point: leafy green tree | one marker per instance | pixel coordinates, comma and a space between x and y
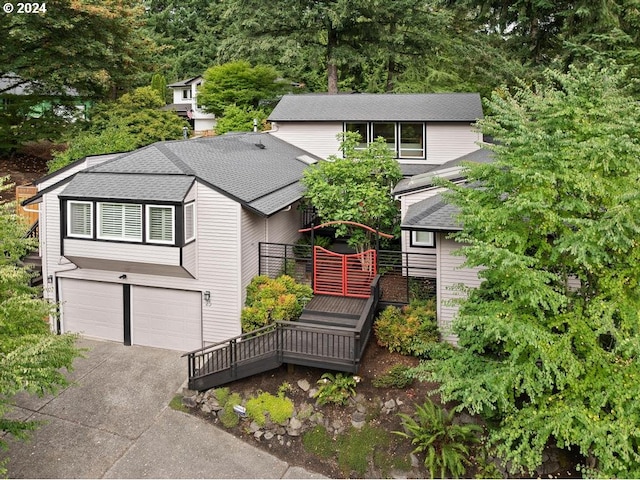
31, 356
240, 84
92, 47
550, 340
237, 119
132, 121
356, 188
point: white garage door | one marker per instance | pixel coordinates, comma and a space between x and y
94, 309
166, 318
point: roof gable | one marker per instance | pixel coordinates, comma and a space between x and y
434, 107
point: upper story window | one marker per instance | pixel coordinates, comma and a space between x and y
405, 139
189, 222
186, 93
80, 219
130, 222
120, 221
160, 228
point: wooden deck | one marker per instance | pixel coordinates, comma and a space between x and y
331, 333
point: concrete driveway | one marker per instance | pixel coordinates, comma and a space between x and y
114, 422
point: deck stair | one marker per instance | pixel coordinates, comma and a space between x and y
331, 333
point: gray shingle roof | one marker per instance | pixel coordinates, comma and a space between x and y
117, 186
425, 180
435, 107
183, 83
258, 170
432, 213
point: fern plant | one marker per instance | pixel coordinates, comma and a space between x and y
335, 388
444, 444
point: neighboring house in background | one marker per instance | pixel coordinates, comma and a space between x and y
156, 246
185, 104
423, 130
427, 221
67, 104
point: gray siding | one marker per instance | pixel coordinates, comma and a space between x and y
319, 138
253, 232
190, 258
447, 141
283, 226
451, 276
121, 251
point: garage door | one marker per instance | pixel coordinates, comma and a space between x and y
94, 309
166, 318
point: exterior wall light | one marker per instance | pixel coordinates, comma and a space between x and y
207, 297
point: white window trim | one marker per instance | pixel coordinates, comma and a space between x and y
416, 243
78, 235
121, 238
148, 225
191, 206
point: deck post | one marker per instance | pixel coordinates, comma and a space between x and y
232, 358
313, 259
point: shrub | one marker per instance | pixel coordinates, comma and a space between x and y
278, 408
444, 443
270, 300
410, 330
302, 247
228, 417
335, 388
396, 377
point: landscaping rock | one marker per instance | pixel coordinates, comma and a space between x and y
312, 392
189, 402
389, 406
358, 420
268, 435
304, 384
205, 408
253, 427
295, 428
258, 435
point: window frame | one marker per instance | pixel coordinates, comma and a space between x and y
186, 94
123, 237
422, 150
148, 225
70, 234
189, 238
422, 244
396, 147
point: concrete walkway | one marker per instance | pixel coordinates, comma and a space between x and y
114, 422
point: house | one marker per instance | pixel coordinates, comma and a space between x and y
185, 104
423, 130
156, 246
427, 222
18, 94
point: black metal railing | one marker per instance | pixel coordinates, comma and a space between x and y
34, 230
275, 259
406, 276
